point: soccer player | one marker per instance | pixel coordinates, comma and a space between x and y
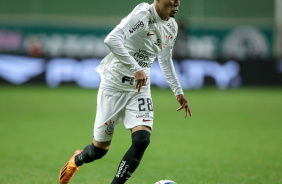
124, 94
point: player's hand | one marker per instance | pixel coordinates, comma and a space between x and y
141, 79
184, 104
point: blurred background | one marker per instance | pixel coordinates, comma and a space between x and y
220, 43
228, 58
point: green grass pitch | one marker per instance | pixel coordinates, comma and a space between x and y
233, 137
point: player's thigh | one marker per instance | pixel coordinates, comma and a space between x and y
109, 113
139, 111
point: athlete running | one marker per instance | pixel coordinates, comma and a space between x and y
149, 31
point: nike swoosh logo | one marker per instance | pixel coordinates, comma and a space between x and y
145, 120
148, 34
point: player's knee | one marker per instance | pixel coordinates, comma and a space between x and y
141, 139
92, 153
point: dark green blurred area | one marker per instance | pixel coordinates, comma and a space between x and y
200, 8
108, 13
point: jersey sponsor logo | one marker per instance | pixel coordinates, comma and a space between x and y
131, 80
145, 117
136, 26
150, 34
142, 53
152, 21
158, 42
110, 127
144, 64
171, 27
142, 58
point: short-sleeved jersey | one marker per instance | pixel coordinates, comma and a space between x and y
146, 36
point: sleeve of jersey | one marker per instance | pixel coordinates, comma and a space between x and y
129, 26
115, 42
166, 64
135, 22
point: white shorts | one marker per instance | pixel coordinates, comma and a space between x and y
114, 107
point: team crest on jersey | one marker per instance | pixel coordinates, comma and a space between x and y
167, 39
110, 127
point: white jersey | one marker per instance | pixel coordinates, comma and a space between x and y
135, 43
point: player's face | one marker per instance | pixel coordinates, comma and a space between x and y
167, 8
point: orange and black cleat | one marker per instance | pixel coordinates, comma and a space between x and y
69, 169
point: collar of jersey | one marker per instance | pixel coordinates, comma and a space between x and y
157, 15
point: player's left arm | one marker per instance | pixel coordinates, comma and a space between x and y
166, 64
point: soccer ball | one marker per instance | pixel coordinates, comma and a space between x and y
165, 182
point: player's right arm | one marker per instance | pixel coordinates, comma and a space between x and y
128, 27
115, 42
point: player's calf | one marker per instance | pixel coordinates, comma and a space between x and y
89, 154
132, 158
